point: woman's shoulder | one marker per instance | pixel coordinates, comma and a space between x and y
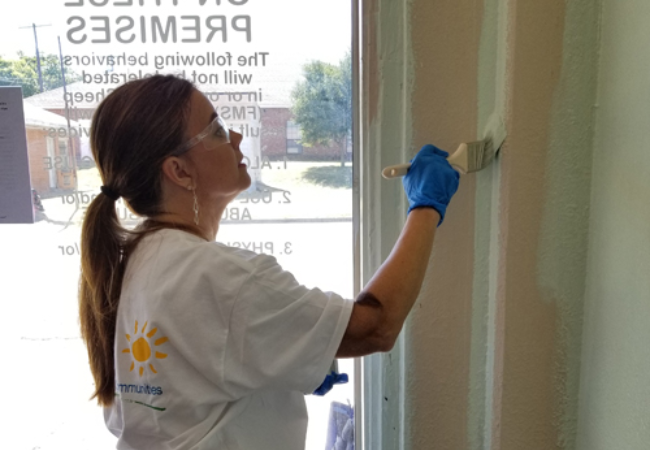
249, 256
189, 247
170, 260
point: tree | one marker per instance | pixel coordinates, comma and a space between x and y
23, 72
322, 104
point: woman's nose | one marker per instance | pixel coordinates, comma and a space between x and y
235, 138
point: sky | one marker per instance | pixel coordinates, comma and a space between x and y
290, 30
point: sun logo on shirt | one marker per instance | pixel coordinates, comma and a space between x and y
140, 348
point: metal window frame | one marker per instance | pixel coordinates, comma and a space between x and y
356, 208
382, 77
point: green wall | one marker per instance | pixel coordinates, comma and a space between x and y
615, 372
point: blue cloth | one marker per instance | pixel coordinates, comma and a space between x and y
431, 181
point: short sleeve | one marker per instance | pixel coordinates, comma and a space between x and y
282, 335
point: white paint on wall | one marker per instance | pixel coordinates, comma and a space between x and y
491, 100
615, 372
562, 255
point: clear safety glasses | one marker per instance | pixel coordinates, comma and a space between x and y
214, 135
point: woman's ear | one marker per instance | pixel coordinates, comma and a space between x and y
177, 171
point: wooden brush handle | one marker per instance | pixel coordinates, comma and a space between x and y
458, 160
398, 170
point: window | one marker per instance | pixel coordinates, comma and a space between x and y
248, 69
294, 134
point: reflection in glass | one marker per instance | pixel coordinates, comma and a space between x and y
290, 98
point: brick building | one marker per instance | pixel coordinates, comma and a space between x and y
277, 136
281, 139
51, 152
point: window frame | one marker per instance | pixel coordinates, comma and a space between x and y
381, 93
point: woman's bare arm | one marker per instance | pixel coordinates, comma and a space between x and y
382, 307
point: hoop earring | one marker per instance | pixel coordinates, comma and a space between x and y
196, 205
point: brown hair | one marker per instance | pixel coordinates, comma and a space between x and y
133, 131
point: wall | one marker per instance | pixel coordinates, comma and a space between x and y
445, 42
544, 219
37, 150
614, 388
491, 352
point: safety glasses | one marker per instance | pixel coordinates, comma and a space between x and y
214, 135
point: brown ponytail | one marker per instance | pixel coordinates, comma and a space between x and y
133, 130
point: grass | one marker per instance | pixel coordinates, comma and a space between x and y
336, 177
316, 174
298, 190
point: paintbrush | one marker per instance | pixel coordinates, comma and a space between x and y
469, 157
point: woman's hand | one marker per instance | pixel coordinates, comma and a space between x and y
431, 181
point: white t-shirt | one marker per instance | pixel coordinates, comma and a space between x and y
215, 348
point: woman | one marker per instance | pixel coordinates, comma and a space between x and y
196, 345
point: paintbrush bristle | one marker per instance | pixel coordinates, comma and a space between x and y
476, 156
481, 153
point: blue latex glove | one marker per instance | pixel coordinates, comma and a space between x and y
430, 181
330, 380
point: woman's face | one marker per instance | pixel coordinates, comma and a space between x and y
219, 171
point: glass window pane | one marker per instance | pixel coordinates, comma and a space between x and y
67, 56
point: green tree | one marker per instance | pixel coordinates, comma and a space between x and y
23, 72
322, 104
7, 75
